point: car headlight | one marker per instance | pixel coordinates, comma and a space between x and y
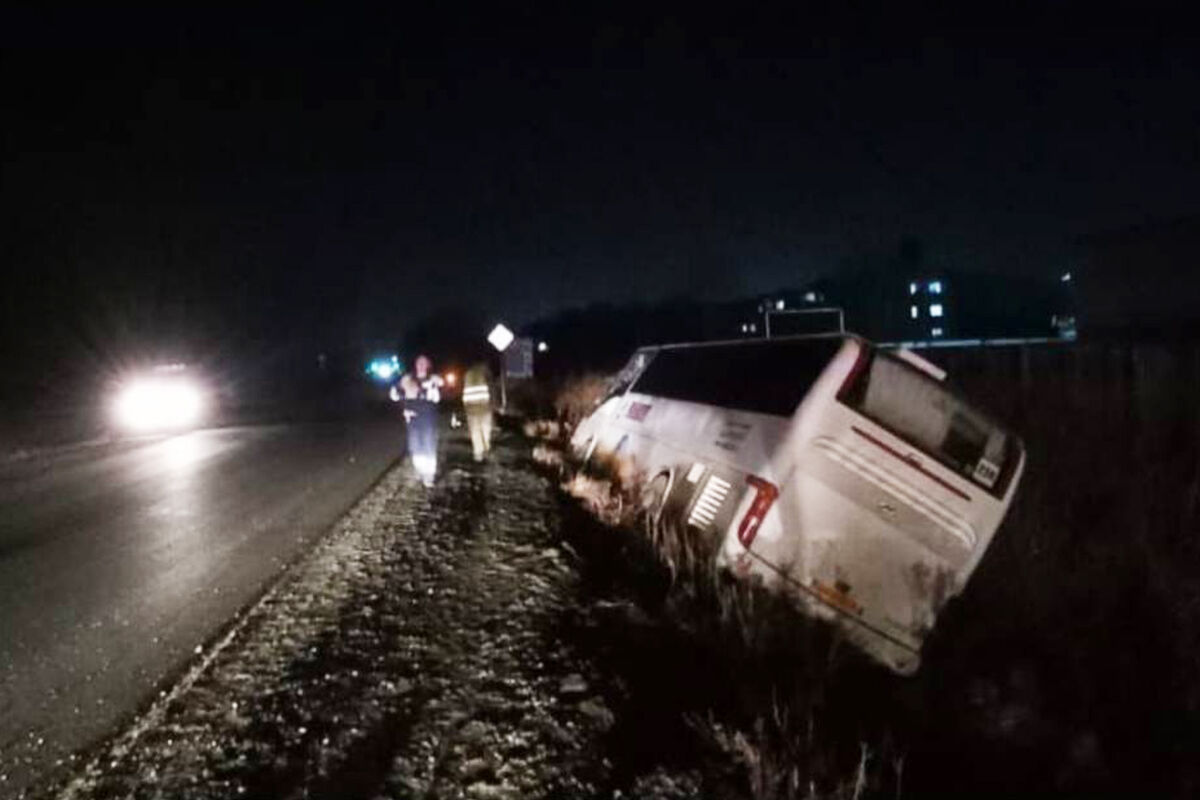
153, 404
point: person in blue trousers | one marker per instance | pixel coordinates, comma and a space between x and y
421, 391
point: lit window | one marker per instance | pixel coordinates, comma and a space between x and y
936, 332
935, 310
912, 288
779, 305
753, 328
935, 287
810, 297
914, 312
1066, 278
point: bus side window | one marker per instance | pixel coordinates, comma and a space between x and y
765, 378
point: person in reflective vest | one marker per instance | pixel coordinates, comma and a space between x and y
477, 402
421, 391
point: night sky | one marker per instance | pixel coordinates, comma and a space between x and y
282, 172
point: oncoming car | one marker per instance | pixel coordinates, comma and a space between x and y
849, 476
166, 398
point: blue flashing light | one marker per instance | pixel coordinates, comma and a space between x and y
384, 369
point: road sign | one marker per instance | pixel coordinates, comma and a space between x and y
518, 359
500, 337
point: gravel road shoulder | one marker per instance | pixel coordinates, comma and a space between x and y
413, 653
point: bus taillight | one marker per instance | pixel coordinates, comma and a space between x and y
765, 493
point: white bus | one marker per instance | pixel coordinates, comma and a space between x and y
850, 476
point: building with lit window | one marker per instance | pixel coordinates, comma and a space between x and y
891, 305
928, 301
887, 305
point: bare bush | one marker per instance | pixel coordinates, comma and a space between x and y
547, 429
548, 456
579, 396
608, 489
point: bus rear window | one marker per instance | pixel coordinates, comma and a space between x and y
925, 414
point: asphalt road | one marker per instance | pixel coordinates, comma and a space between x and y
118, 561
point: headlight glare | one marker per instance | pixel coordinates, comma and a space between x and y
151, 404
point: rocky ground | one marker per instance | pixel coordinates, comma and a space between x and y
434, 645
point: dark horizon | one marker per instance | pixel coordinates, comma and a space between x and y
335, 179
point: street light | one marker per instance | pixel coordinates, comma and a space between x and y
543, 347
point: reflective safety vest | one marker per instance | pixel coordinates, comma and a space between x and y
475, 388
473, 395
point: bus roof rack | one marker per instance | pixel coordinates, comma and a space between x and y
749, 341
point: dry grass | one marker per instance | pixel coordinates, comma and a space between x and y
608, 488
549, 457
547, 429
579, 396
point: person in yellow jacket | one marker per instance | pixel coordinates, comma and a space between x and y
477, 402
